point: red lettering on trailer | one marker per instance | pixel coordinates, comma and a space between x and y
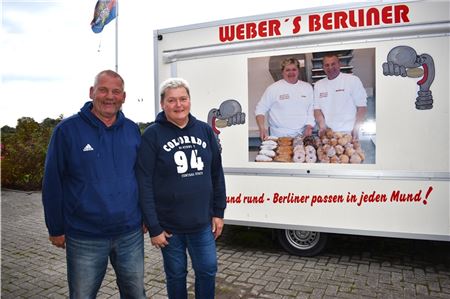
297, 25
337, 20
341, 20
250, 30
393, 14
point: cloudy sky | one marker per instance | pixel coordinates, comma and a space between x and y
49, 55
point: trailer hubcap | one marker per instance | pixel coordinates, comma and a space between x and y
302, 239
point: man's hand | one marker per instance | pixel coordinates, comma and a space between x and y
161, 241
58, 241
263, 134
355, 134
217, 227
260, 121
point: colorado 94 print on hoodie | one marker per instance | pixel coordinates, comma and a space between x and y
180, 176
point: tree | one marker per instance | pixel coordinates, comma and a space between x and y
7, 130
143, 126
23, 153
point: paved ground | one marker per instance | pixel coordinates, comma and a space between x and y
251, 265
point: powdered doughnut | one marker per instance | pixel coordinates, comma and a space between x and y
268, 147
311, 158
299, 148
267, 142
263, 158
268, 153
310, 150
297, 141
299, 157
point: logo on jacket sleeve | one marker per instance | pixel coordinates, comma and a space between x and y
88, 148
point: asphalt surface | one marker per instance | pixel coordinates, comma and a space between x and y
251, 264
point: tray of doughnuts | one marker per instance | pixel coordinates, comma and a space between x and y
329, 147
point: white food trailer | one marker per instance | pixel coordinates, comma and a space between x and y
399, 50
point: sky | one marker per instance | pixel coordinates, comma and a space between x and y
49, 55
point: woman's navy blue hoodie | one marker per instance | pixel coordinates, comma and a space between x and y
180, 176
90, 187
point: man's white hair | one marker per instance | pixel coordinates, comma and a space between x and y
173, 83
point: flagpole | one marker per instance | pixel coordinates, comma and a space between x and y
117, 37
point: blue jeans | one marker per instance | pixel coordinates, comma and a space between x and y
87, 261
202, 250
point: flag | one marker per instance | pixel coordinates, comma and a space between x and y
105, 11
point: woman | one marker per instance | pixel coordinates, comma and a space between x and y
182, 191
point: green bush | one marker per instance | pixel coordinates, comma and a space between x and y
23, 153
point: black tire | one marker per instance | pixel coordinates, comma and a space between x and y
302, 242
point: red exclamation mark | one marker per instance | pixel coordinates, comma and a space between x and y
426, 195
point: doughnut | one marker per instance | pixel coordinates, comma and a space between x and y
355, 159
310, 150
334, 159
331, 152
311, 158
349, 151
324, 159
326, 147
329, 133
361, 154
342, 141
344, 158
271, 142
339, 149
268, 147
299, 157
297, 141
299, 148
348, 137
268, 153
338, 135
285, 143
283, 158
263, 158
285, 139
285, 149
317, 142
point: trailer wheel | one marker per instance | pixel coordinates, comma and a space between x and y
302, 242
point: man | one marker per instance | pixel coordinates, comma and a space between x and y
182, 191
90, 193
340, 100
288, 104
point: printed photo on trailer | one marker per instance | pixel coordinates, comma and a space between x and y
289, 108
